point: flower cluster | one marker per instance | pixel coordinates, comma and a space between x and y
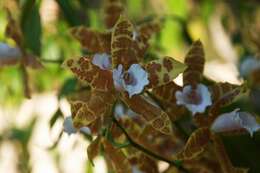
137, 102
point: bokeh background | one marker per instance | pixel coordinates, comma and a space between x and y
31, 130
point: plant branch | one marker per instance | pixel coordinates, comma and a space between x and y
148, 152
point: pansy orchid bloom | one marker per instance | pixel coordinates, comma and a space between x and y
127, 77
194, 96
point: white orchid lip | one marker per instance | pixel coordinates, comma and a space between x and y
235, 120
133, 80
103, 61
195, 100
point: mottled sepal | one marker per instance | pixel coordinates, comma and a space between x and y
87, 72
112, 11
163, 71
98, 106
93, 149
93, 41
119, 161
195, 61
158, 119
122, 50
222, 156
195, 145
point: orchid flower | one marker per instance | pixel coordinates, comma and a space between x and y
235, 120
127, 75
133, 80
195, 100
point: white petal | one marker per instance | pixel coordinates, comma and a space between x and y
118, 77
119, 110
103, 61
235, 120
68, 126
85, 130
141, 80
135, 169
135, 35
183, 99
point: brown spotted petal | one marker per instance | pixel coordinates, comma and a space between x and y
223, 94
163, 71
147, 29
93, 149
141, 163
86, 71
92, 40
119, 161
167, 92
218, 90
122, 50
166, 95
195, 61
222, 156
151, 113
195, 145
98, 106
142, 35
112, 10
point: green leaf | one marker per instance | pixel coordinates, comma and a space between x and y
31, 26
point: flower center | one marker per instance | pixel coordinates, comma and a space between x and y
129, 79
194, 98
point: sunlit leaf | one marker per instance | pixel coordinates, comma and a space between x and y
195, 61
163, 71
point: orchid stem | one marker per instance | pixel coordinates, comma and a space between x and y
148, 152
